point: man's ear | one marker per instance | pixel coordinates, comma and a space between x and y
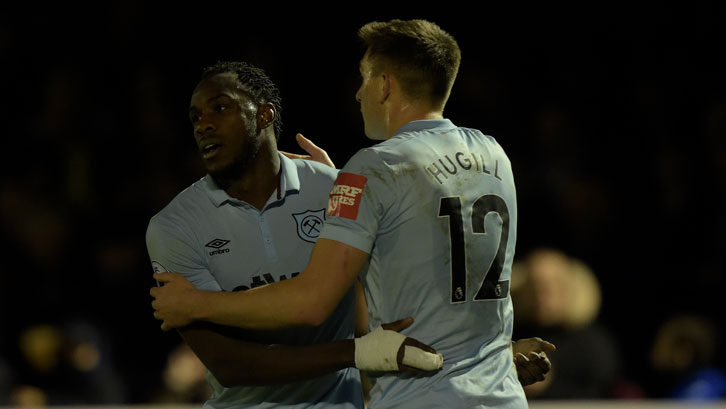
265, 116
386, 87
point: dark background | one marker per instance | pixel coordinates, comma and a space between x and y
614, 119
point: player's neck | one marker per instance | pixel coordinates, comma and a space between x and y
404, 113
259, 181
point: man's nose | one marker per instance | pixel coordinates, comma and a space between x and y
202, 127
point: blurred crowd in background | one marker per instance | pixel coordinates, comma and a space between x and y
614, 120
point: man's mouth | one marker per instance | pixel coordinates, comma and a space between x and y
209, 150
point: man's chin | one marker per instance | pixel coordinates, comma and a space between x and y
226, 175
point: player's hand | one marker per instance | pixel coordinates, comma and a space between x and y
384, 349
172, 300
530, 359
315, 153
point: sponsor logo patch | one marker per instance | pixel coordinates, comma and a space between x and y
346, 195
217, 244
309, 224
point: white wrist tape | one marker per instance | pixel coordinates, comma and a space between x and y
377, 351
418, 358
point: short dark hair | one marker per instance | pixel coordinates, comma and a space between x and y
424, 58
255, 83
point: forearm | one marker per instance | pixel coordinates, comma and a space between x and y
306, 300
236, 362
289, 364
281, 305
361, 311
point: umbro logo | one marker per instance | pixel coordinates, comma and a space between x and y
217, 244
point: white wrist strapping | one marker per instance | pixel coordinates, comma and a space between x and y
377, 351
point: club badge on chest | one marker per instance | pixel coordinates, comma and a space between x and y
309, 224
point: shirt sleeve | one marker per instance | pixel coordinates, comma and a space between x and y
359, 201
172, 250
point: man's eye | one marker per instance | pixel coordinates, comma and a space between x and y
220, 107
194, 118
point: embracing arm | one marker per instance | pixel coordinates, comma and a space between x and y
235, 362
306, 300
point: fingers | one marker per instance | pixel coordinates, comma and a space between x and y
533, 344
399, 325
415, 343
156, 291
527, 372
306, 144
294, 155
415, 356
548, 347
316, 153
525, 378
164, 326
540, 360
539, 344
532, 367
163, 277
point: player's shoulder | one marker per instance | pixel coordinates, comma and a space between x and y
475, 137
180, 207
476, 133
309, 170
373, 157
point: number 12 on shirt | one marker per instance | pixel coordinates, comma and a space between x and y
490, 288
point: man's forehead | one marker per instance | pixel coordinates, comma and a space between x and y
364, 60
218, 84
226, 80
367, 62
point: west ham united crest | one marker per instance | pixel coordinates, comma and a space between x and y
310, 224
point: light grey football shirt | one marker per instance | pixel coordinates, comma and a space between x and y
435, 207
223, 244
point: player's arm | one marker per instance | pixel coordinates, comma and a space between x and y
233, 356
235, 362
361, 328
361, 310
306, 300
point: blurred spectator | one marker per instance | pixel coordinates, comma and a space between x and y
558, 298
26, 396
68, 364
184, 378
683, 357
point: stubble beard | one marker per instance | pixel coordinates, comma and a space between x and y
225, 176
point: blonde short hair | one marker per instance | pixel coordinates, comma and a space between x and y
423, 57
